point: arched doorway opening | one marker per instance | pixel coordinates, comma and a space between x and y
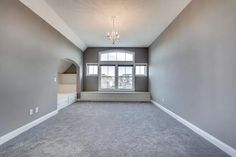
68, 77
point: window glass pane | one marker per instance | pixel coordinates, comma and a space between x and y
117, 56
112, 56
141, 70
136, 70
104, 57
125, 77
111, 70
104, 70
92, 69
107, 77
129, 57
120, 56
95, 69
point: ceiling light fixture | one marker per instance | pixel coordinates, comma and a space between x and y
113, 35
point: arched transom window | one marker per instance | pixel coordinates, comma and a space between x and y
116, 70
122, 56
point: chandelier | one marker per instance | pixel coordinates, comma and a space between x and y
113, 35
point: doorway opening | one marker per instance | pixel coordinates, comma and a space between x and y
68, 83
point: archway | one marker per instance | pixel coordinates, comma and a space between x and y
69, 86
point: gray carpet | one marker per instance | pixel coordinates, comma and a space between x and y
110, 130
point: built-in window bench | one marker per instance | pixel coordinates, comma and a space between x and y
115, 96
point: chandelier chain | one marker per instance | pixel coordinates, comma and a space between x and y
113, 35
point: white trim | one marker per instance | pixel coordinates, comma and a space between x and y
42, 9
145, 70
60, 107
116, 89
116, 63
223, 146
116, 51
26, 127
65, 99
91, 64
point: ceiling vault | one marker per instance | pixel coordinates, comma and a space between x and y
86, 22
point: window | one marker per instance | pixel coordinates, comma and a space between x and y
129, 57
121, 56
125, 77
141, 70
117, 56
117, 70
107, 77
92, 69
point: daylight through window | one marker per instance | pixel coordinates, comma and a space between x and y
117, 56
92, 69
141, 70
116, 70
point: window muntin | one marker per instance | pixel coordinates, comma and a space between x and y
92, 69
117, 56
129, 57
107, 77
141, 70
125, 77
104, 57
112, 56
120, 56
123, 70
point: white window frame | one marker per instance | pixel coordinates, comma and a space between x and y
146, 71
116, 64
99, 78
112, 61
87, 65
133, 77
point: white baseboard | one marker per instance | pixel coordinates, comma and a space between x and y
26, 127
226, 148
59, 107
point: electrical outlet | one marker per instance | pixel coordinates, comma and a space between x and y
36, 109
55, 79
31, 112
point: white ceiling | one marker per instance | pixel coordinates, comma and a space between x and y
139, 22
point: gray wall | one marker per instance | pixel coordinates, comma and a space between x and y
30, 51
91, 55
192, 66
